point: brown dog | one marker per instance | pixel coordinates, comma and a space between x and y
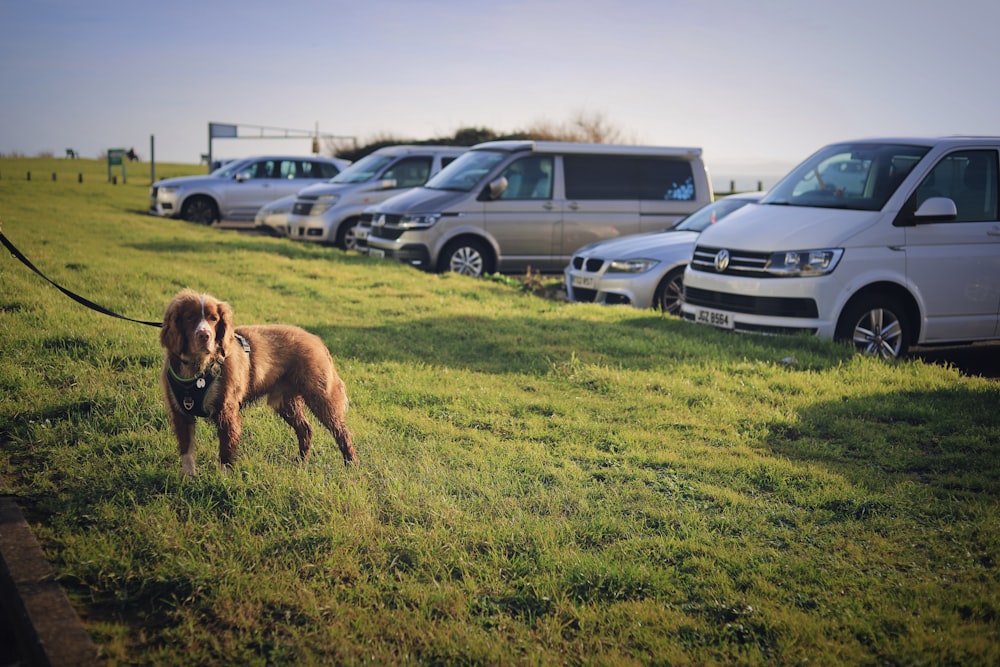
212, 370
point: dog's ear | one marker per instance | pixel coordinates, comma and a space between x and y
171, 334
224, 327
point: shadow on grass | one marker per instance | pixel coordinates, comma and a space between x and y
944, 439
517, 344
255, 244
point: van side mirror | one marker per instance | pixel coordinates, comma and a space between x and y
936, 209
387, 184
495, 189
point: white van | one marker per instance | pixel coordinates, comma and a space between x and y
885, 243
327, 212
505, 206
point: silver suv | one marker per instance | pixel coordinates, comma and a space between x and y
238, 189
328, 212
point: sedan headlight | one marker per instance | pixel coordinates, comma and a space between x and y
418, 221
803, 263
631, 265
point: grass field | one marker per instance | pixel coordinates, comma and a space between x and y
539, 482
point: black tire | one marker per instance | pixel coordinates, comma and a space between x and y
200, 209
468, 257
346, 240
876, 324
669, 294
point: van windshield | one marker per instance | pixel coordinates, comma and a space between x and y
465, 172
363, 170
859, 177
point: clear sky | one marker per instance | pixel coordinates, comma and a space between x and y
757, 84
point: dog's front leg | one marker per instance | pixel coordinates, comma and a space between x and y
230, 427
183, 426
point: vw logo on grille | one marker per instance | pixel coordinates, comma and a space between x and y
721, 260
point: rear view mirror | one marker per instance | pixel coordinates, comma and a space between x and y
496, 188
936, 208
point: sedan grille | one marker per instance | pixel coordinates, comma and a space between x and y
589, 264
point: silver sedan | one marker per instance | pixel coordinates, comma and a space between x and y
645, 270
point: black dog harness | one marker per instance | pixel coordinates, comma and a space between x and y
191, 394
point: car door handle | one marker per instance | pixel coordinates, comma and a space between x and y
547, 206
573, 206
994, 232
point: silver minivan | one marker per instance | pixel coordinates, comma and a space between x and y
505, 206
880, 243
328, 212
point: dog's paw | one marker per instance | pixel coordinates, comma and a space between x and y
187, 465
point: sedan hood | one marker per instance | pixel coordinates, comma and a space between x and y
633, 246
771, 227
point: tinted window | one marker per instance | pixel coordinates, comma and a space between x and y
410, 172
529, 178
628, 177
969, 178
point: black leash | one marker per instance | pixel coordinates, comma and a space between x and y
76, 297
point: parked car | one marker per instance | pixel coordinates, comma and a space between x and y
510, 205
272, 217
903, 248
238, 189
362, 228
645, 270
328, 212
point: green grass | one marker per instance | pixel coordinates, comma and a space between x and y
539, 482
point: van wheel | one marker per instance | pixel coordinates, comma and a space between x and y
669, 293
468, 257
346, 238
877, 325
201, 210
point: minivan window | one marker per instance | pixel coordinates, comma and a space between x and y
968, 178
363, 170
628, 177
465, 172
850, 176
410, 172
529, 178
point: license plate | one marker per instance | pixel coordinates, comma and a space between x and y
376, 252
584, 282
714, 317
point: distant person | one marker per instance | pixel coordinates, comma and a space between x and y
132, 155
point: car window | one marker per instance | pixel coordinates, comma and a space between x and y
852, 176
969, 178
363, 170
410, 172
529, 178
628, 177
262, 169
466, 171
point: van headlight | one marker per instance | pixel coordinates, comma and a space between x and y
167, 190
802, 263
418, 221
631, 265
323, 204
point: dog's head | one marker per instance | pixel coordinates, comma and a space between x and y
196, 325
